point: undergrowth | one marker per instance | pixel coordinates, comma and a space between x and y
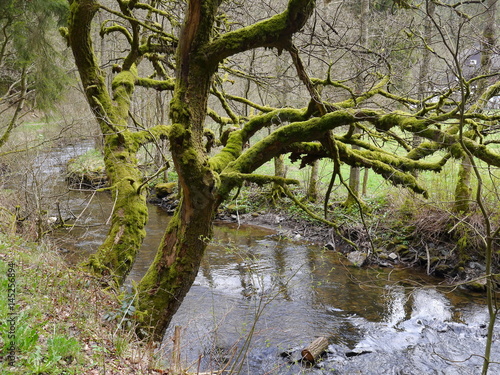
53, 318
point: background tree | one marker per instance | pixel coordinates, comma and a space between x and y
363, 8
33, 80
28, 60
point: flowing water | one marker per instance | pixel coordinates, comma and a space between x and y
258, 297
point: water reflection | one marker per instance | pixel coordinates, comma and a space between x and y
307, 293
299, 292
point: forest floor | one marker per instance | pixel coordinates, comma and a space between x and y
60, 320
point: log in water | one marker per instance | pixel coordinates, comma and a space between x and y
315, 349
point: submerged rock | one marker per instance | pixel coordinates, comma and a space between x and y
357, 258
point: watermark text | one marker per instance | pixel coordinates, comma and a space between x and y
11, 315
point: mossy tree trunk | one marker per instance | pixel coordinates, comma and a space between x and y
176, 264
463, 190
116, 255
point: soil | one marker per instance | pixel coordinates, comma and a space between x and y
285, 226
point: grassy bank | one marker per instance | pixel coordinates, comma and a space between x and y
58, 320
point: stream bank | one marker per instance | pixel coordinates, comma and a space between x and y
269, 289
432, 240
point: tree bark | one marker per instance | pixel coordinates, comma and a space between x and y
312, 189
279, 171
463, 189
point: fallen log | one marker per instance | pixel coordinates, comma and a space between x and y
315, 349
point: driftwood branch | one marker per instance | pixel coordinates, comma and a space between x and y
315, 349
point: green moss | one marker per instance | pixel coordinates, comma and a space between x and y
463, 250
165, 189
116, 255
160, 85
463, 190
274, 31
123, 87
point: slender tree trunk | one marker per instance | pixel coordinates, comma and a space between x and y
423, 73
463, 189
354, 179
312, 189
279, 171
355, 172
366, 176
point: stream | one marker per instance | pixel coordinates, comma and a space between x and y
259, 299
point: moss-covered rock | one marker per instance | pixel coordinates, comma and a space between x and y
477, 286
165, 189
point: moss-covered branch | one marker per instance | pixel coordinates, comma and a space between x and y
219, 95
157, 84
152, 27
481, 102
446, 139
167, 15
393, 168
356, 100
217, 118
273, 32
236, 179
239, 138
105, 30
262, 108
151, 135
273, 145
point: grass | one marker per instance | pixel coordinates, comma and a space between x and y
90, 162
56, 318
440, 186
